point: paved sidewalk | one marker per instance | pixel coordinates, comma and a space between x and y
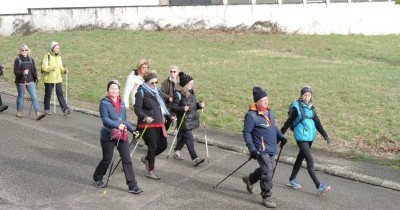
379, 175
373, 174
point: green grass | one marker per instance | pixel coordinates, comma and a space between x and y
356, 79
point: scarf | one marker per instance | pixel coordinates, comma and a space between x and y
117, 104
164, 109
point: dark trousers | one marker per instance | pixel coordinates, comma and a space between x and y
156, 144
124, 153
305, 153
264, 174
48, 89
186, 137
1, 102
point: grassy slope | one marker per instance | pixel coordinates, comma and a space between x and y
356, 79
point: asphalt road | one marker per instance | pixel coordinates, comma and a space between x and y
48, 164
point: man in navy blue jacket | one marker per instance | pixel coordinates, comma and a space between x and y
260, 134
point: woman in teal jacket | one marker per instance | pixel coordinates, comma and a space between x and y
304, 123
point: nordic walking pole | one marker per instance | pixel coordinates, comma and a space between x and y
277, 160
233, 172
23, 98
116, 166
66, 86
112, 162
137, 143
30, 110
54, 77
205, 135
179, 127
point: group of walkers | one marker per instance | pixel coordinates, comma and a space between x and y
27, 78
157, 109
175, 103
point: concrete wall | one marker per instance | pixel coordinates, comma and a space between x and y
338, 18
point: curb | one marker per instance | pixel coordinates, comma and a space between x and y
328, 169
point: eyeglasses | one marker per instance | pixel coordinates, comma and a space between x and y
24, 50
153, 83
172, 72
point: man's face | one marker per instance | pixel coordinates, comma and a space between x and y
263, 102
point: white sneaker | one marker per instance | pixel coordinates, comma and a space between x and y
177, 155
197, 161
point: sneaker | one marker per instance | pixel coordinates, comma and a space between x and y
48, 112
153, 175
177, 155
324, 188
293, 183
197, 161
145, 162
19, 114
99, 184
135, 190
3, 107
40, 115
249, 186
67, 111
269, 203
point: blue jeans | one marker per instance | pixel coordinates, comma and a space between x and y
30, 87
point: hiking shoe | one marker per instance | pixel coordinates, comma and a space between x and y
249, 186
40, 115
48, 112
153, 175
135, 190
294, 184
3, 107
197, 161
177, 155
19, 114
269, 203
67, 111
99, 184
145, 162
324, 188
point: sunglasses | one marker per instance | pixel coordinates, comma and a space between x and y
153, 83
24, 50
172, 72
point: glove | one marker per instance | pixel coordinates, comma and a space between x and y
254, 154
327, 140
136, 134
283, 141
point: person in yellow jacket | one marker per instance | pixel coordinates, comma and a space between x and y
52, 70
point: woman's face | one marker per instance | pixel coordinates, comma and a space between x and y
306, 97
173, 73
152, 83
24, 52
143, 69
113, 91
189, 85
56, 49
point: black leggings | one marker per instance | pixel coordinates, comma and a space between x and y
156, 144
305, 153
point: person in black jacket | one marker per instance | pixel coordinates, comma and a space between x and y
25, 78
152, 114
185, 106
